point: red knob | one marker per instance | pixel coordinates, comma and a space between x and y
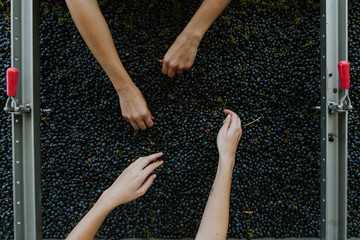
12, 76
344, 74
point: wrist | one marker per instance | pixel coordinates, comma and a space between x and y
121, 81
227, 161
105, 203
192, 35
125, 88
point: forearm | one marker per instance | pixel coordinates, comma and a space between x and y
93, 28
215, 220
204, 17
91, 222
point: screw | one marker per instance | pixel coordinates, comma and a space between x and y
330, 74
331, 137
335, 90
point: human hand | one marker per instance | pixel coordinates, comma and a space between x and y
229, 136
132, 183
181, 55
134, 108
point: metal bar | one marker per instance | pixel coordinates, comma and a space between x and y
323, 118
333, 126
26, 128
343, 124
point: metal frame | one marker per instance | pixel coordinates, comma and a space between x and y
26, 127
334, 33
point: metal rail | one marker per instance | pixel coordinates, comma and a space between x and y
26, 127
334, 33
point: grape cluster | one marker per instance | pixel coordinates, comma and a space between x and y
259, 59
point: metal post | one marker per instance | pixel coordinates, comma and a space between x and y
333, 125
26, 127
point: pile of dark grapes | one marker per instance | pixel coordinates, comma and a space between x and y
259, 59
354, 122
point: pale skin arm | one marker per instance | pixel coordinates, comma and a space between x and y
182, 53
215, 220
133, 182
96, 34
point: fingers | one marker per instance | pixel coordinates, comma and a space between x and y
149, 121
171, 71
235, 121
234, 116
144, 161
134, 125
179, 71
141, 124
126, 119
226, 122
146, 185
149, 169
227, 111
164, 67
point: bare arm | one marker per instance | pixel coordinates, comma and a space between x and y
215, 220
182, 53
96, 34
131, 184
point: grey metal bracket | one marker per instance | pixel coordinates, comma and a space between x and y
344, 104
12, 107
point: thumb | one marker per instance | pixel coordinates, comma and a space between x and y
227, 122
146, 185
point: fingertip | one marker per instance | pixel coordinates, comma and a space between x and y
156, 155
149, 123
142, 125
164, 69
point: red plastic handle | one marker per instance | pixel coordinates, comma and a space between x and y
344, 74
12, 76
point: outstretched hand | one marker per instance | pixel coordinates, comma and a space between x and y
180, 56
229, 135
133, 182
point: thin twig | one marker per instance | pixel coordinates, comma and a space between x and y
253, 121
